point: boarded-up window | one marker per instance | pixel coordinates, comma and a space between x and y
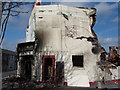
77, 60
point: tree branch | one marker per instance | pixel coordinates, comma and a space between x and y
19, 11
16, 13
7, 10
18, 5
5, 21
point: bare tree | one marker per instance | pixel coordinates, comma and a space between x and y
10, 9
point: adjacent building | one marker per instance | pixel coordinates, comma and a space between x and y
9, 60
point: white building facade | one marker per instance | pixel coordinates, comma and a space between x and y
66, 48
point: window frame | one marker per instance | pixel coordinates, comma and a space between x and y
75, 66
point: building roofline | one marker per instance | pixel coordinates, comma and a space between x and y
25, 43
87, 8
8, 51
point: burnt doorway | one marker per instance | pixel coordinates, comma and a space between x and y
26, 67
48, 71
60, 73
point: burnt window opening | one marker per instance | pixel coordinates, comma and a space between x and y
40, 17
41, 11
77, 60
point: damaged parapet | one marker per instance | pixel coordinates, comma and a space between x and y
66, 47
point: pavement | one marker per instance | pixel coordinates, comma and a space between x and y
64, 88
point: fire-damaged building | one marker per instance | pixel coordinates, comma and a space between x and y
61, 46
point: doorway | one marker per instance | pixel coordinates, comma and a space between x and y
26, 67
48, 70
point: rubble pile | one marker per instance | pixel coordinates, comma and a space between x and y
21, 82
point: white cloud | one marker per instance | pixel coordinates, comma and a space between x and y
11, 45
21, 40
105, 8
109, 41
115, 19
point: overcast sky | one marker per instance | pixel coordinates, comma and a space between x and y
106, 26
